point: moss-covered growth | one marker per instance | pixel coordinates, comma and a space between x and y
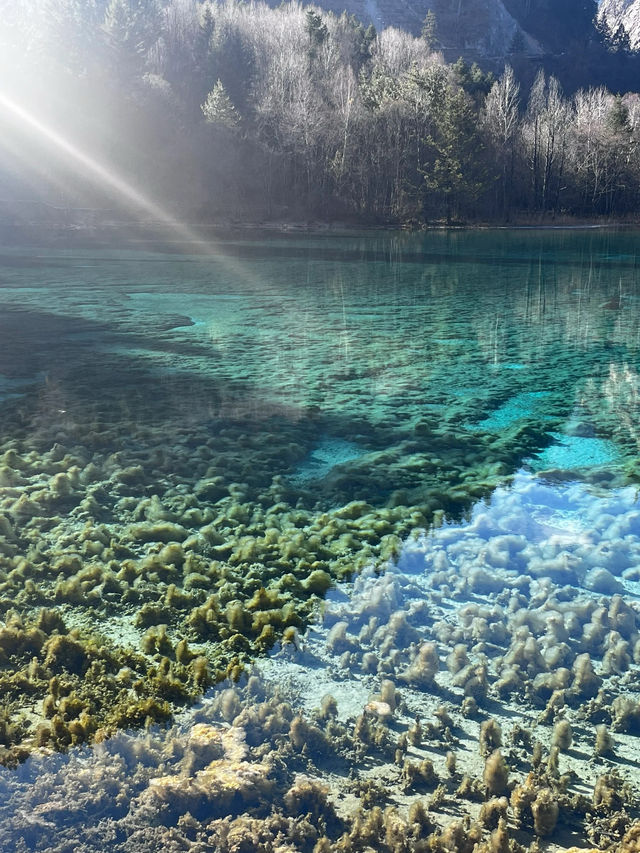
85, 687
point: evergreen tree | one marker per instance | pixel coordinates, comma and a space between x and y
316, 30
618, 118
131, 28
473, 79
430, 30
517, 42
203, 71
218, 109
73, 28
456, 175
620, 40
368, 40
232, 59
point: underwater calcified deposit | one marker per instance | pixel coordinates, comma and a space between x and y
452, 704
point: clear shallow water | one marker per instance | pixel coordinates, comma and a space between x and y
571, 452
140, 790
363, 327
181, 429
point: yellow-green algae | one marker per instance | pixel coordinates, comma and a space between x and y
160, 554
139, 492
194, 544
418, 763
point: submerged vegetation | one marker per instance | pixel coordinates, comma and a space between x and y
475, 701
195, 553
161, 530
233, 111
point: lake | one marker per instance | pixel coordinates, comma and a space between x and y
396, 470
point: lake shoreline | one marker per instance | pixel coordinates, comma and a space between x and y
174, 235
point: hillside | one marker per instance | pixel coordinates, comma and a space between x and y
566, 39
623, 19
489, 30
236, 111
478, 29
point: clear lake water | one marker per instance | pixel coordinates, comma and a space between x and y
322, 403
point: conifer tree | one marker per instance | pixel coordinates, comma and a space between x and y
218, 108
316, 30
430, 30
456, 175
131, 28
618, 118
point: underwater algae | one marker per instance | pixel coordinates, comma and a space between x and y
192, 553
177, 499
454, 702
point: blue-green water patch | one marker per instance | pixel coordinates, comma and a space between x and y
519, 407
573, 452
13, 388
329, 453
200, 309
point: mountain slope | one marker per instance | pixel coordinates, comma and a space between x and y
477, 29
625, 14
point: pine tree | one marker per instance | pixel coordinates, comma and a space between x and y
131, 28
430, 30
620, 40
456, 176
368, 38
618, 118
218, 108
316, 30
517, 42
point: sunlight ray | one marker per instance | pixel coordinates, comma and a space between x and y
109, 179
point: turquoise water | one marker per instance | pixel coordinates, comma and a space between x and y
470, 331
200, 446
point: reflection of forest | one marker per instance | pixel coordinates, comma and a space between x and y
462, 329
620, 392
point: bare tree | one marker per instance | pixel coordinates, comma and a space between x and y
501, 121
603, 148
544, 134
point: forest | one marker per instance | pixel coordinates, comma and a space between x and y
232, 111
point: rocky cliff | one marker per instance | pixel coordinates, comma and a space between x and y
559, 36
477, 29
625, 14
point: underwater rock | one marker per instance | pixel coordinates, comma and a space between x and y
223, 787
226, 785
